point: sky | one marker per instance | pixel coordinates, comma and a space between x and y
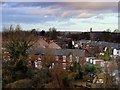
64, 16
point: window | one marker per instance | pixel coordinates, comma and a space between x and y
77, 59
70, 59
53, 64
56, 58
64, 58
36, 64
87, 59
117, 52
43, 46
64, 65
6, 52
50, 67
90, 60
29, 57
39, 62
39, 58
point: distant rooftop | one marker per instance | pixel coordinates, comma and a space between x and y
100, 43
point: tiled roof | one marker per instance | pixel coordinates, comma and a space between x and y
53, 45
105, 44
42, 44
63, 52
100, 43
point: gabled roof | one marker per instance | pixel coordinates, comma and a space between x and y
42, 44
53, 45
62, 52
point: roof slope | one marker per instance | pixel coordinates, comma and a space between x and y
41, 43
62, 52
53, 45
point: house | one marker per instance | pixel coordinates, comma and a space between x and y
43, 43
116, 52
5, 54
53, 45
98, 62
66, 42
90, 59
64, 57
95, 61
114, 47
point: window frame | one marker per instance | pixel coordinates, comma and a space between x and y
64, 58
71, 59
57, 58
64, 65
77, 59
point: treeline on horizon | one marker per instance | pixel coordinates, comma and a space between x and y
53, 34
97, 36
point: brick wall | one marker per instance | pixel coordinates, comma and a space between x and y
60, 60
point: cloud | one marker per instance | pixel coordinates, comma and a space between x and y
31, 15
46, 11
57, 13
100, 17
92, 5
85, 15
77, 14
53, 11
72, 5
64, 9
42, 11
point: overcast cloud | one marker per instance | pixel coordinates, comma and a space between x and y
73, 14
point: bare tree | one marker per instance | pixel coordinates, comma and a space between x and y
49, 57
57, 74
11, 28
61, 79
16, 43
110, 67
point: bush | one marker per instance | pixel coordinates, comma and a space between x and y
66, 80
77, 70
89, 69
24, 83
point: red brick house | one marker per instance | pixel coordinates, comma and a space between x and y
64, 57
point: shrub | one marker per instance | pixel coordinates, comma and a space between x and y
24, 83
